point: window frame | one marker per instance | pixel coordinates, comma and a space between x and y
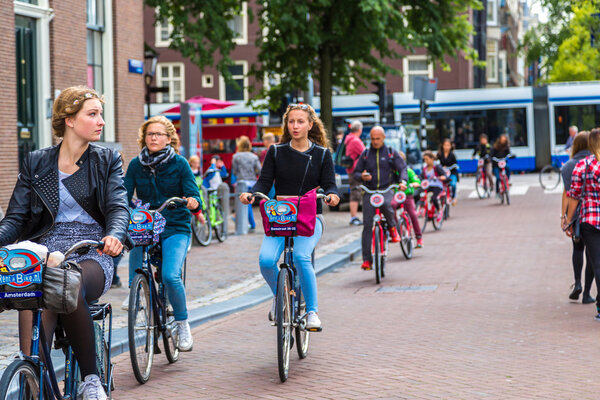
491, 74
223, 86
407, 73
158, 42
159, 79
243, 38
494, 20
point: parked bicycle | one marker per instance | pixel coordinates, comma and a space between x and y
214, 218
381, 235
290, 307
550, 174
482, 179
150, 315
504, 184
408, 240
426, 210
33, 376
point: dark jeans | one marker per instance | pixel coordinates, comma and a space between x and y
497, 175
578, 250
368, 213
591, 240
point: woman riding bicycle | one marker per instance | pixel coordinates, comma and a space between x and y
483, 151
66, 193
157, 174
436, 176
303, 143
447, 159
501, 149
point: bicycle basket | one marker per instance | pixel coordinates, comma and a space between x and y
20, 279
290, 218
145, 226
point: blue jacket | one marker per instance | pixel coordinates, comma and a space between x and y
174, 178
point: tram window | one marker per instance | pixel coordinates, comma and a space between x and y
464, 127
584, 117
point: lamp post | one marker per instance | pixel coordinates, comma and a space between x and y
150, 60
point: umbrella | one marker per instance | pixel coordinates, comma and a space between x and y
207, 104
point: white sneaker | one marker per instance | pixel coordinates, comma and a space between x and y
312, 320
272, 312
125, 304
186, 340
91, 389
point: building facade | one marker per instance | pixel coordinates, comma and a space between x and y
49, 45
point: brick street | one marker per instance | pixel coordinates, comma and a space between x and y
498, 325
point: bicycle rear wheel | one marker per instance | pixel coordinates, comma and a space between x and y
549, 177
220, 224
170, 337
481, 185
377, 254
20, 381
302, 335
140, 327
507, 190
406, 242
422, 215
202, 232
283, 311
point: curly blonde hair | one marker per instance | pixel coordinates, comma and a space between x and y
317, 134
169, 127
67, 105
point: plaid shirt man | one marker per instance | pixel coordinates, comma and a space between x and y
590, 207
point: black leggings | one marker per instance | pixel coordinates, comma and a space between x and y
578, 251
78, 325
591, 240
434, 198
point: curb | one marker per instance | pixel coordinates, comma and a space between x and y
201, 315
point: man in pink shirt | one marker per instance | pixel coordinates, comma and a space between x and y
354, 148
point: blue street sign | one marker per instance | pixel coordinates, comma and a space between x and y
136, 66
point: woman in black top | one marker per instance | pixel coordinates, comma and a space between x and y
448, 160
303, 150
501, 149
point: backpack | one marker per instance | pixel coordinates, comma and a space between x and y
395, 172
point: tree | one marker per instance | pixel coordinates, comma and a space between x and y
341, 43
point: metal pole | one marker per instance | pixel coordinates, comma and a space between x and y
423, 125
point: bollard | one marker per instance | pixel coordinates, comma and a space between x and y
241, 210
223, 193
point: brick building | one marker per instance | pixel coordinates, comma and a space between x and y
61, 43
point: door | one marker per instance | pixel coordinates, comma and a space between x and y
27, 96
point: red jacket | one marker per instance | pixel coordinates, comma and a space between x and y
354, 148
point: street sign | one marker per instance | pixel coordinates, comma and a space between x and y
424, 88
136, 66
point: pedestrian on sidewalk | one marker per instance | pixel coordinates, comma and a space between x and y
81, 186
354, 147
157, 174
579, 151
245, 165
588, 195
299, 164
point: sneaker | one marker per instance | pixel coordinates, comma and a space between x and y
91, 389
186, 340
312, 320
395, 238
355, 221
125, 304
597, 317
367, 265
419, 243
454, 202
587, 299
272, 312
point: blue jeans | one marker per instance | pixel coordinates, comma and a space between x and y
250, 212
174, 251
271, 250
453, 180
497, 175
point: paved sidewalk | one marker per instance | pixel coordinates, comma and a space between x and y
491, 320
215, 273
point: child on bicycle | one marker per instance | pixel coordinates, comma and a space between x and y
412, 183
501, 149
304, 148
157, 174
447, 159
483, 151
66, 193
436, 176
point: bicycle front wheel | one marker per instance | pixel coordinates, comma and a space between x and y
302, 335
481, 185
220, 224
549, 177
507, 190
202, 232
406, 242
438, 218
422, 215
140, 327
20, 381
170, 337
377, 253
283, 311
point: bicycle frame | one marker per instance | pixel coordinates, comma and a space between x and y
379, 221
296, 291
157, 295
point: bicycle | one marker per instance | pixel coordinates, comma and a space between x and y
33, 376
426, 210
290, 307
550, 176
447, 189
408, 240
150, 315
481, 179
213, 220
504, 186
380, 236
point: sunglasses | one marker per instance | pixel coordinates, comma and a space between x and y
300, 106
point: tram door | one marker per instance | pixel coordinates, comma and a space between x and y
27, 124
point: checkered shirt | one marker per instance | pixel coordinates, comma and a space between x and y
590, 210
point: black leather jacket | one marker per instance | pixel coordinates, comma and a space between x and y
97, 186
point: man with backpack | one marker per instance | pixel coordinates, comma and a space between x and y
379, 167
353, 149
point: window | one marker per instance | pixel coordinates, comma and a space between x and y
95, 33
208, 81
170, 75
162, 33
415, 66
239, 90
585, 117
239, 25
492, 12
492, 61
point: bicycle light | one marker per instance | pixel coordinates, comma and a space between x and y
480, 162
376, 200
501, 164
400, 197
424, 183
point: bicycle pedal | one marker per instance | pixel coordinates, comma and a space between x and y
314, 329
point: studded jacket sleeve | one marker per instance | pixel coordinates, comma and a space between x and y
115, 208
17, 214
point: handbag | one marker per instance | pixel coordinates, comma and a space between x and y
60, 287
578, 211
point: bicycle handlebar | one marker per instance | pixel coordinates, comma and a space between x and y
394, 186
172, 203
84, 245
265, 197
